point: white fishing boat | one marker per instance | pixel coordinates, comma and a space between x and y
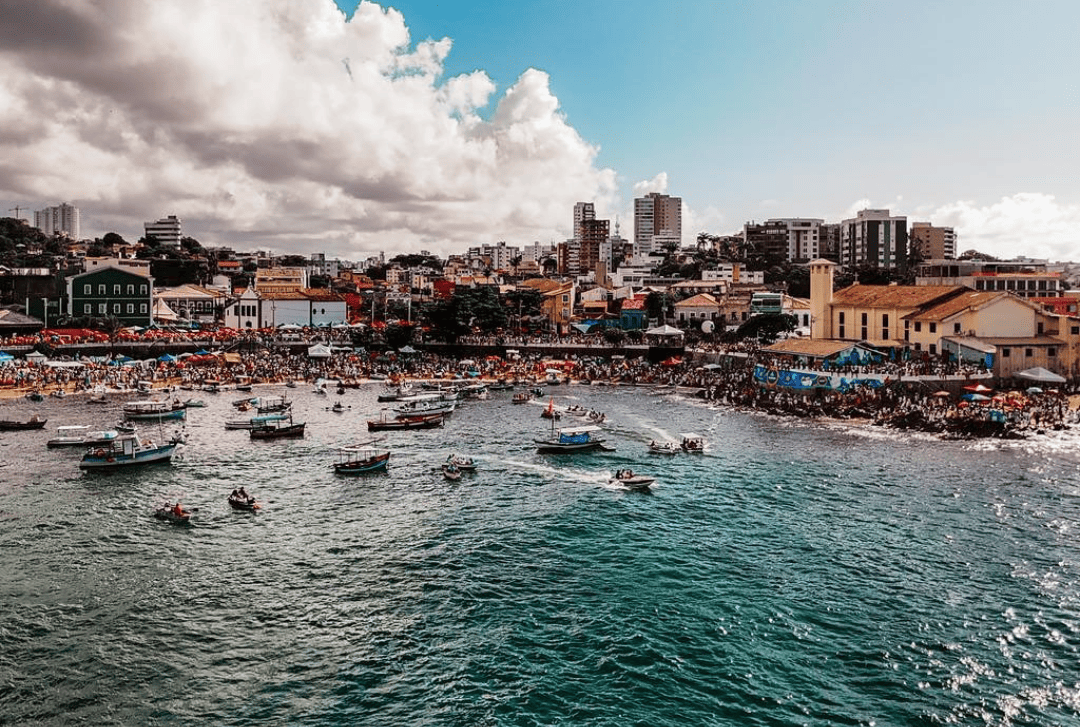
80, 435
126, 450
418, 406
255, 421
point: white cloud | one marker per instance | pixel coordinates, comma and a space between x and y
1027, 223
657, 184
278, 124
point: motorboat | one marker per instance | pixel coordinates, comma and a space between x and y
283, 428
664, 448
465, 464
626, 478
425, 406
338, 407
418, 421
451, 472
155, 410
11, 425
238, 501
173, 513
522, 397
361, 460
271, 404
79, 435
569, 440
693, 444
124, 450
254, 421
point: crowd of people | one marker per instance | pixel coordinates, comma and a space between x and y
907, 400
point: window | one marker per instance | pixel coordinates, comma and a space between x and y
1076, 330
918, 326
865, 318
933, 348
956, 327
884, 322
101, 289
1051, 352
103, 308
116, 308
1028, 353
1005, 352
143, 289
933, 327
131, 289
88, 289
88, 308
918, 346
116, 289
885, 334
1040, 327
142, 307
130, 308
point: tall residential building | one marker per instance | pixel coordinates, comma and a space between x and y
61, 220
655, 215
166, 230
802, 237
582, 211
595, 245
874, 237
934, 243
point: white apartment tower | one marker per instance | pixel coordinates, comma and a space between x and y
656, 215
61, 220
166, 230
803, 235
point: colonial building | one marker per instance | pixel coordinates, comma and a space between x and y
193, 303
111, 291
311, 307
698, 308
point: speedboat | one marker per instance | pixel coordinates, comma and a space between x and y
419, 421
664, 448
153, 410
169, 513
239, 502
465, 464
693, 444
631, 481
451, 472
79, 435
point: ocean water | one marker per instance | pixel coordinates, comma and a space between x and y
797, 573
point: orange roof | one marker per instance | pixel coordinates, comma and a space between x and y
701, 300
894, 296
953, 306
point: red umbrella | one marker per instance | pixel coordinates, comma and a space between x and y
978, 389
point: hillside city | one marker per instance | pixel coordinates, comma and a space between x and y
926, 299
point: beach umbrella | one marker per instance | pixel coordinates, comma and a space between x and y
1034, 390
941, 394
978, 389
975, 397
166, 357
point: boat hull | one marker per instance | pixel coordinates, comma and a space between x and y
114, 460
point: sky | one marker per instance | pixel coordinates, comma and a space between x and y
305, 126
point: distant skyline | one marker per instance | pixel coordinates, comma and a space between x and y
304, 126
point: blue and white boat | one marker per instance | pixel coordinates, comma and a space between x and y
126, 450
154, 410
255, 421
569, 440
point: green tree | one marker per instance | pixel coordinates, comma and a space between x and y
112, 239
614, 336
398, 335
766, 328
655, 305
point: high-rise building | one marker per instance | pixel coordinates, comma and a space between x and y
166, 230
655, 215
595, 245
801, 237
61, 220
874, 237
934, 243
582, 211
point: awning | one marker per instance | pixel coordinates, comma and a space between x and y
1038, 373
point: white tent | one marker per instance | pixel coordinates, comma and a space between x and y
319, 350
1038, 373
162, 311
664, 330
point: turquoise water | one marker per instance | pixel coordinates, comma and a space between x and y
798, 573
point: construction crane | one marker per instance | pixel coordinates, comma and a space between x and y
17, 210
